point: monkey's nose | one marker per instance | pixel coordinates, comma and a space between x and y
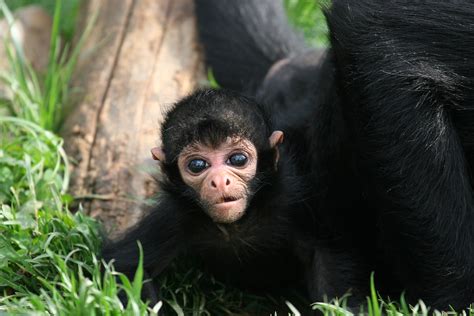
220, 182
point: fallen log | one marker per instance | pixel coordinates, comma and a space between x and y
141, 56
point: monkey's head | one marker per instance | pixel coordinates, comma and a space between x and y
217, 143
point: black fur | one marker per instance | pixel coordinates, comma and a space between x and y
406, 72
303, 100
210, 116
381, 127
235, 49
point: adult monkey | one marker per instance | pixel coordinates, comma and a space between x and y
405, 74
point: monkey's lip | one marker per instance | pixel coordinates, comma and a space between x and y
227, 201
227, 212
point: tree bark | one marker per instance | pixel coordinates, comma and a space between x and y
141, 57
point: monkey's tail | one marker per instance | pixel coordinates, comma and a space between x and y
244, 38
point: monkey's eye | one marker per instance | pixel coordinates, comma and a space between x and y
237, 160
197, 165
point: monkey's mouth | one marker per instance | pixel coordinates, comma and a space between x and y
227, 199
228, 209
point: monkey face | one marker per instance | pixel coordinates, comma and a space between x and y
220, 176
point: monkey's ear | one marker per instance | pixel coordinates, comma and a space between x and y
276, 138
158, 154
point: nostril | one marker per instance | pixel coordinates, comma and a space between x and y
213, 184
227, 182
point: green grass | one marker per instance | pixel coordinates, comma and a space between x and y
307, 16
377, 306
68, 12
48, 256
40, 98
48, 260
188, 291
